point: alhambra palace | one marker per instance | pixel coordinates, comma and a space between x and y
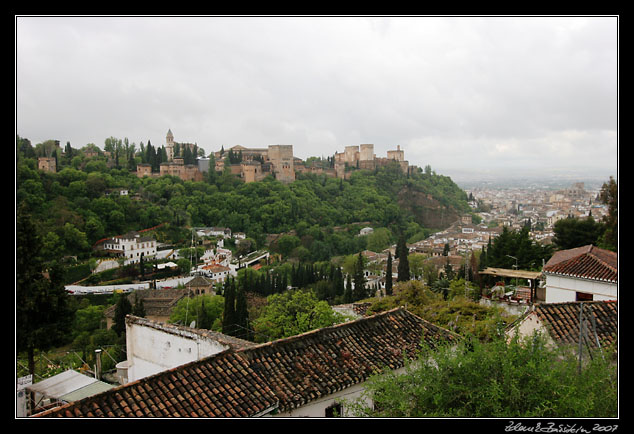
277, 160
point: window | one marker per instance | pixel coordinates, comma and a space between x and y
581, 296
334, 410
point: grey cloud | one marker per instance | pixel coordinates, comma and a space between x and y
455, 92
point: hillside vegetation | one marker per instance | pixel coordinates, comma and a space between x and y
81, 204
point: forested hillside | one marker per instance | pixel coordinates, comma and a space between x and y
81, 204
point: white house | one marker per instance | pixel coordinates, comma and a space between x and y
581, 274
216, 272
180, 373
131, 246
153, 347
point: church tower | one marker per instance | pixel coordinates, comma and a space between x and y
169, 145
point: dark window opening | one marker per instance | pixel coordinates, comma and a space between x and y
334, 410
583, 296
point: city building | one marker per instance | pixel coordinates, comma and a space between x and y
131, 246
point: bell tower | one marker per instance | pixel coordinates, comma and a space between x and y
169, 145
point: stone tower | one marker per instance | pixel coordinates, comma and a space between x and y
281, 156
169, 145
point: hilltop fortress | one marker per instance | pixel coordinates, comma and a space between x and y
254, 164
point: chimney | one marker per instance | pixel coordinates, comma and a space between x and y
98, 364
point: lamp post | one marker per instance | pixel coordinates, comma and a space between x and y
516, 267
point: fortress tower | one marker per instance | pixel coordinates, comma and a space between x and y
366, 152
169, 145
397, 155
281, 156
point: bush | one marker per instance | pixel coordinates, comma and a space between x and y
519, 378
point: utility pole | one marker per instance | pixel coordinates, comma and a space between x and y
580, 333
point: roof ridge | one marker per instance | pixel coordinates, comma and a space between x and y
323, 330
347, 324
222, 338
602, 252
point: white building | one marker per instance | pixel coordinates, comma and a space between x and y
216, 272
131, 246
581, 274
177, 372
153, 347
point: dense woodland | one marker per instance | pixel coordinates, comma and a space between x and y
80, 204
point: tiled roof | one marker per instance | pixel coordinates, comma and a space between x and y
199, 281
315, 364
225, 387
562, 320
156, 302
286, 373
588, 262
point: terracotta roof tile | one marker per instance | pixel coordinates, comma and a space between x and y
588, 262
169, 393
286, 373
562, 320
328, 360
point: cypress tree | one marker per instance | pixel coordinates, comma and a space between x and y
242, 316
359, 279
122, 308
347, 293
339, 282
138, 309
204, 320
229, 314
388, 275
43, 313
403, 262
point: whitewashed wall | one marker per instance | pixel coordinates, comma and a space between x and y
151, 350
560, 289
318, 407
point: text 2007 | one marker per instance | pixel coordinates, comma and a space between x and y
606, 428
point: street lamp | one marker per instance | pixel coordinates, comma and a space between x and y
516, 267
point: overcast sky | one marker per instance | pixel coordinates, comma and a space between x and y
486, 94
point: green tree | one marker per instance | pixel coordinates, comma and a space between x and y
122, 308
229, 319
517, 244
138, 309
89, 319
388, 275
502, 378
360, 291
43, 312
610, 196
242, 316
402, 253
573, 232
291, 313
286, 244
347, 293
205, 309
379, 239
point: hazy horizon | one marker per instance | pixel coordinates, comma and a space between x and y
469, 96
